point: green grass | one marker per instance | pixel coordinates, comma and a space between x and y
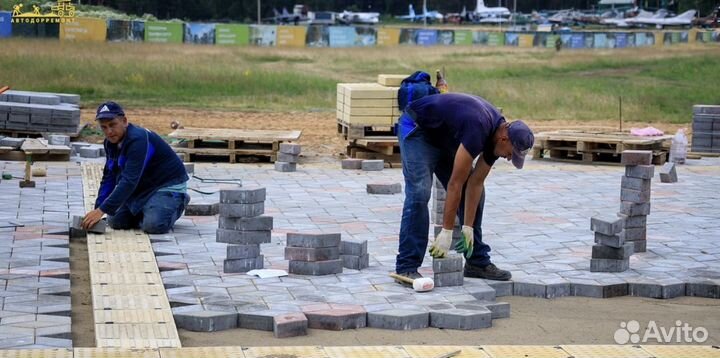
656, 85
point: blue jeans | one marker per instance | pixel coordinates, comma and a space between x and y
158, 215
420, 160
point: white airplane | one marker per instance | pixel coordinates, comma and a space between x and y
483, 11
684, 19
627, 22
429, 15
349, 17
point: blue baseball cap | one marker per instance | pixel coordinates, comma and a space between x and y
109, 110
522, 140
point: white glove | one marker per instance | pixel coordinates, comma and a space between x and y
441, 245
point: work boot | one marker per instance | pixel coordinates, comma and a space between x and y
489, 272
413, 275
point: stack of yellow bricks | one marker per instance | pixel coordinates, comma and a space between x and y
369, 104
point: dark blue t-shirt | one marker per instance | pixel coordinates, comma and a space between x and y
453, 118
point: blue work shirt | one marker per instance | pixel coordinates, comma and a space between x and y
453, 118
137, 169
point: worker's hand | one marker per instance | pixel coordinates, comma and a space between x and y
467, 241
92, 218
442, 243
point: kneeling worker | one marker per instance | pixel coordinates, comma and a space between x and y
442, 135
144, 183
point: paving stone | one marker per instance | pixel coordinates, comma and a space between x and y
290, 148
606, 225
351, 164
634, 209
656, 290
373, 165
242, 251
502, 288
206, 321
261, 320
635, 183
195, 209
452, 263
606, 265
89, 152
640, 246
606, 252
243, 196
243, 265
241, 210
258, 223
448, 279
384, 188
98, 228
529, 289
398, 319
615, 241
484, 293
337, 319
599, 290
634, 196
288, 158
189, 168
668, 173
498, 309
58, 139
317, 268
636, 157
355, 247
14, 143
637, 221
356, 262
461, 319
285, 167
635, 234
290, 325
243, 237
706, 289
312, 254
313, 240
640, 171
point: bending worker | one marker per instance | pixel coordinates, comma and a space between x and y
442, 135
144, 183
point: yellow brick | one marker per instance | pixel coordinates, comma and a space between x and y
36, 353
202, 352
604, 351
368, 120
367, 352
682, 351
364, 111
159, 316
115, 353
525, 351
391, 80
296, 352
437, 351
371, 103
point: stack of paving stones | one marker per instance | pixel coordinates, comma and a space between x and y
354, 254
242, 225
448, 271
706, 129
611, 253
438, 209
635, 196
39, 112
313, 254
287, 157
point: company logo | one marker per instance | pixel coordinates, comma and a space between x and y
629, 332
62, 12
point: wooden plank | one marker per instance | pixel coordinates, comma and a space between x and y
220, 151
235, 134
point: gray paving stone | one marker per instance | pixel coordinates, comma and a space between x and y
637, 221
398, 319
14, 143
243, 265
498, 309
640, 246
461, 319
615, 241
241, 210
448, 279
57, 139
242, 251
529, 289
206, 209
290, 325
373, 165
189, 168
599, 290
635, 183
206, 321
89, 152
337, 319
606, 225
483, 293
313, 240
351, 164
258, 223
288, 158
452, 263
656, 290
636, 157
635, 234
243, 237
668, 173
317, 268
640, 171
607, 252
312, 254
243, 196
356, 262
98, 228
635, 196
285, 167
290, 148
355, 247
384, 188
706, 289
606, 265
502, 288
555, 290
261, 320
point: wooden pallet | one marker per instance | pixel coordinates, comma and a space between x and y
359, 131
231, 144
596, 147
385, 148
36, 134
40, 150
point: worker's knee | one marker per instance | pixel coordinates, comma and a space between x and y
154, 226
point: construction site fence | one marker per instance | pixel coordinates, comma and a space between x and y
100, 30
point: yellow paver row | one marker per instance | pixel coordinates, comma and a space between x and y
130, 305
490, 351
